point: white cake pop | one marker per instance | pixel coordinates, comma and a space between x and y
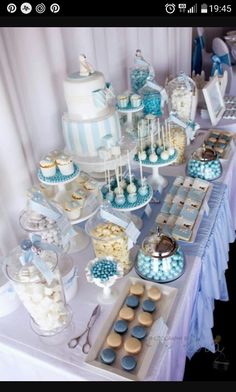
131, 188
171, 151
153, 157
123, 184
118, 191
165, 155
143, 155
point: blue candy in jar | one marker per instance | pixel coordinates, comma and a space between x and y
157, 265
204, 164
152, 102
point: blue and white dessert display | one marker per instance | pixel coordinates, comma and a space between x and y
160, 260
90, 118
204, 164
104, 272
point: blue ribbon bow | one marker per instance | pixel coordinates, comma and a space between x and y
32, 250
217, 63
197, 54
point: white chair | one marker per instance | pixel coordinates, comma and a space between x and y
221, 62
201, 58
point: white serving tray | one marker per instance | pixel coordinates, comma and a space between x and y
149, 344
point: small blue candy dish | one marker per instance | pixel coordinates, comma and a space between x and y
104, 272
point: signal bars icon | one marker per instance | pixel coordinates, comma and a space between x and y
193, 9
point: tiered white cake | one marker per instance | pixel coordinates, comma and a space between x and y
91, 125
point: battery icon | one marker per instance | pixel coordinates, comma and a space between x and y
204, 8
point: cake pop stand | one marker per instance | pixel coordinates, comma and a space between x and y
156, 180
80, 241
142, 201
108, 295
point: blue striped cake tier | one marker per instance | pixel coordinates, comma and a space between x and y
84, 138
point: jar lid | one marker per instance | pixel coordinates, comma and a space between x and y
205, 154
28, 273
33, 221
159, 245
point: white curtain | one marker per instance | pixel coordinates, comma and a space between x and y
33, 64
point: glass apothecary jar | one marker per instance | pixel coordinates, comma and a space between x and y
178, 140
182, 97
35, 276
109, 239
139, 72
36, 223
151, 99
160, 259
205, 164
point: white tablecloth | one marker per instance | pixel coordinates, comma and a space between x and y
24, 357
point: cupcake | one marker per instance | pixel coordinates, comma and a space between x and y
79, 195
65, 165
72, 209
91, 186
48, 167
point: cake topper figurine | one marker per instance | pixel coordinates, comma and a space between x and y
86, 69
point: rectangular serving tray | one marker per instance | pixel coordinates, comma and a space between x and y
149, 344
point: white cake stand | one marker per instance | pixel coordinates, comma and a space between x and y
156, 180
129, 112
135, 218
81, 240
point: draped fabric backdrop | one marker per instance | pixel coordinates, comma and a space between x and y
33, 65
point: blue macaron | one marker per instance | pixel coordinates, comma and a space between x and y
108, 356
121, 326
128, 363
138, 332
148, 306
132, 301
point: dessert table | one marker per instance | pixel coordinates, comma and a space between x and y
23, 356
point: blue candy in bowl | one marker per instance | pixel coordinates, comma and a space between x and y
204, 164
160, 259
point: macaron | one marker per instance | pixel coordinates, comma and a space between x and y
128, 363
138, 332
154, 293
114, 340
145, 318
148, 306
121, 326
136, 289
132, 346
126, 313
132, 301
108, 356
